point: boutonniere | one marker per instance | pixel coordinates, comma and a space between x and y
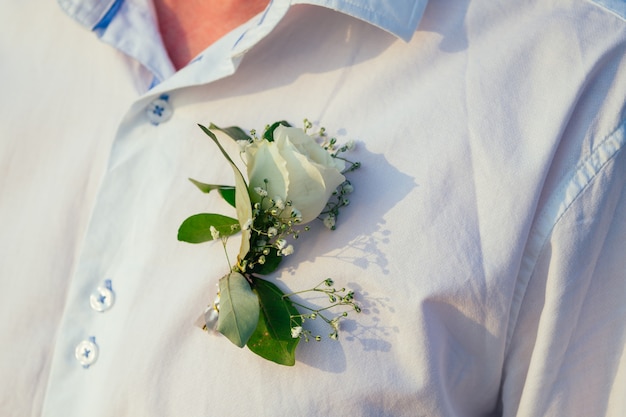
293, 179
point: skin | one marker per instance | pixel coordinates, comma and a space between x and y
190, 26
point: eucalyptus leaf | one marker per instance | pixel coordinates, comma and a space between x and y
272, 337
239, 309
268, 135
197, 228
242, 199
234, 132
226, 191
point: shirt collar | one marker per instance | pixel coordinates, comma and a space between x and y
89, 13
399, 17
130, 26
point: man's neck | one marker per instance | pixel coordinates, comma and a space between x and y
189, 26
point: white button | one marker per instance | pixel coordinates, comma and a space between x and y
87, 352
159, 110
103, 297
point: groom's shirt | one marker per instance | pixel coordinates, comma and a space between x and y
484, 238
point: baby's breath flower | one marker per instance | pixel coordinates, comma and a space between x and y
348, 188
329, 221
279, 203
296, 214
296, 332
281, 243
260, 191
247, 225
272, 231
287, 250
339, 298
350, 145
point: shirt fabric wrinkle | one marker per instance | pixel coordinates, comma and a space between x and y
571, 188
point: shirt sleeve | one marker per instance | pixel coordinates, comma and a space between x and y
565, 350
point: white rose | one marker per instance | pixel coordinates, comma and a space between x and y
297, 169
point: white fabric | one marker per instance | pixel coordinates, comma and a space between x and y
485, 238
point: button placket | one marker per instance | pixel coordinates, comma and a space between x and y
100, 300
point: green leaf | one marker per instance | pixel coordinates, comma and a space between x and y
226, 191
272, 337
242, 199
229, 194
239, 309
197, 228
234, 132
268, 135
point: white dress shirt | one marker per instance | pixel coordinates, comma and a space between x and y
486, 237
